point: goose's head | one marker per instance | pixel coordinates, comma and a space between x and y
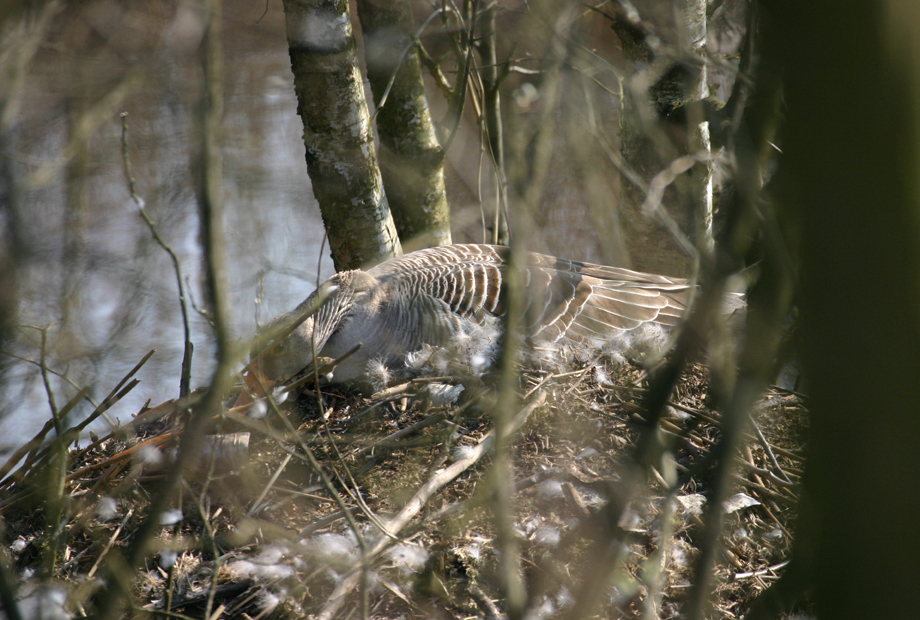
290, 342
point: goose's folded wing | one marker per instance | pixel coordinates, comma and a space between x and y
564, 298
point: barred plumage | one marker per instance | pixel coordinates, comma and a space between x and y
428, 296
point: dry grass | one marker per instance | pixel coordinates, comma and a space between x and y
270, 540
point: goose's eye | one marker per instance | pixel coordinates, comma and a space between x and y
278, 349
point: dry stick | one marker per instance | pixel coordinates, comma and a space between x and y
327, 483
60, 375
353, 491
158, 441
323, 522
457, 97
417, 502
113, 397
217, 612
769, 502
485, 603
402, 388
211, 201
132, 189
355, 494
146, 416
791, 501
37, 455
676, 430
39, 437
765, 571
108, 546
402, 57
474, 502
349, 517
141, 612
386, 441
268, 486
715, 422
584, 373
766, 448
766, 473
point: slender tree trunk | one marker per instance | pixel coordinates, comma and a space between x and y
341, 155
693, 30
412, 161
662, 120
491, 81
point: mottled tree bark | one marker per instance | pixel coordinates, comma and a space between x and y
341, 155
411, 158
662, 120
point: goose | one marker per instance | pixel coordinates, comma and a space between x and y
431, 297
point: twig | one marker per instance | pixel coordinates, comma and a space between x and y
765, 571
417, 502
108, 546
769, 450
36, 456
39, 437
43, 350
210, 199
717, 423
159, 441
458, 94
486, 604
132, 189
51, 370
323, 522
268, 486
402, 57
327, 483
387, 441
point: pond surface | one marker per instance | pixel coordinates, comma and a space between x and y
90, 273
91, 276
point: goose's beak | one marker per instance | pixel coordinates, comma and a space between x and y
255, 385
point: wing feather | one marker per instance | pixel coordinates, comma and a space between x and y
565, 298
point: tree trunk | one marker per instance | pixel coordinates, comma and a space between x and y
341, 155
851, 143
662, 120
412, 163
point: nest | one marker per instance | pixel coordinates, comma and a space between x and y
409, 504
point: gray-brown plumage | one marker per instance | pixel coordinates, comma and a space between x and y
432, 296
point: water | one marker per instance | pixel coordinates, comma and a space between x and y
92, 275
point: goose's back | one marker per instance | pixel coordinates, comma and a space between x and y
565, 298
